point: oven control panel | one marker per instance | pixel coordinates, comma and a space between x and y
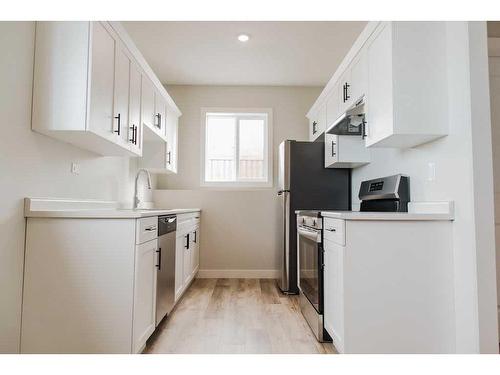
310, 221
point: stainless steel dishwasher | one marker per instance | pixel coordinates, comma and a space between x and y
165, 287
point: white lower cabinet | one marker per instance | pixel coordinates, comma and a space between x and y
146, 260
187, 259
89, 293
179, 266
333, 288
388, 285
78, 294
195, 253
187, 250
97, 293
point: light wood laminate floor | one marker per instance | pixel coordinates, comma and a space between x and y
235, 316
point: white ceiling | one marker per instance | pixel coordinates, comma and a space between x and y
278, 53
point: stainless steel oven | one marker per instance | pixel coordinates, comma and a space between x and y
310, 249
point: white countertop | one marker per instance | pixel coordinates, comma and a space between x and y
393, 216
71, 208
431, 211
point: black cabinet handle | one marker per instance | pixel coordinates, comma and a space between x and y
158, 125
347, 96
195, 235
363, 129
133, 134
187, 242
159, 259
119, 123
333, 149
169, 157
314, 127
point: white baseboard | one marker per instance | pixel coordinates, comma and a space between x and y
238, 274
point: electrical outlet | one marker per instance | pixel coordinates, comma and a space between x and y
431, 172
75, 168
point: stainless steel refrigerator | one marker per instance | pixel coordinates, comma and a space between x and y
305, 184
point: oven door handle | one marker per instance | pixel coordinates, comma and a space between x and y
309, 234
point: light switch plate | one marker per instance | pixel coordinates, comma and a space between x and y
431, 171
75, 168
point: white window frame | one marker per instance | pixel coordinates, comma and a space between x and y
267, 182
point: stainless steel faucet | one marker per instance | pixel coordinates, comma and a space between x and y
136, 195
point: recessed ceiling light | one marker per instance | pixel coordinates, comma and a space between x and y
243, 37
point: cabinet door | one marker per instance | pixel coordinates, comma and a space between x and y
317, 123
134, 124
148, 103
331, 150
160, 114
359, 77
179, 266
379, 113
188, 250
345, 90
195, 252
332, 106
321, 120
333, 293
121, 95
313, 128
172, 124
102, 82
146, 260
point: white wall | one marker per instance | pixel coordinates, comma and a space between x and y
35, 165
240, 228
463, 174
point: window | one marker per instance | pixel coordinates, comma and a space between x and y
237, 148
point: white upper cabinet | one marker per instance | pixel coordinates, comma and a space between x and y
172, 129
345, 85
345, 151
317, 123
359, 77
101, 82
407, 91
148, 103
134, 123
122, 91
400, 70
92, 88
333, 106
160, 114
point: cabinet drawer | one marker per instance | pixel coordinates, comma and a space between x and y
186, 222
146, 229
334, 230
